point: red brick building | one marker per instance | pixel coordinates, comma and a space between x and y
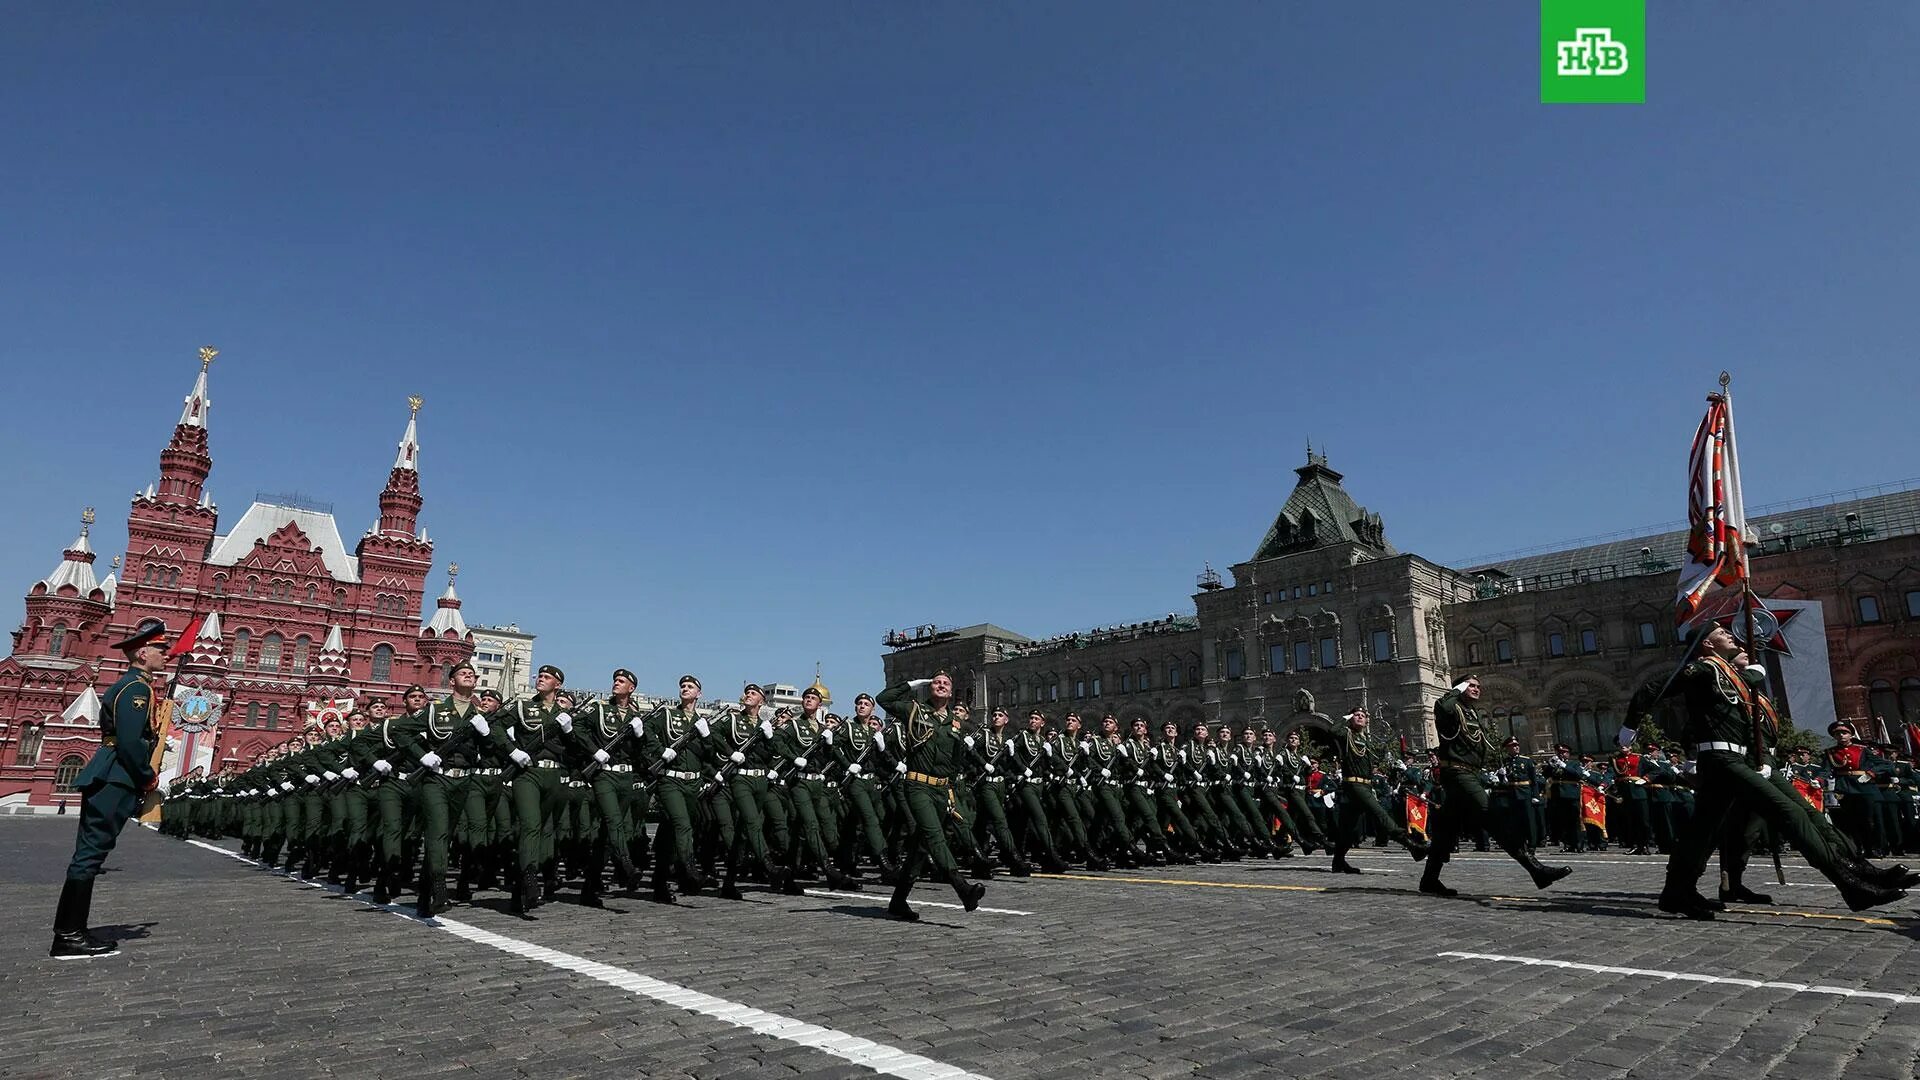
296, 618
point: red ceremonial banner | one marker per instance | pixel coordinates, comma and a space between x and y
1593, 807
1416, 814
1811, 792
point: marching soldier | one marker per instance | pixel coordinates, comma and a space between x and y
989, 787
748, 805
611, 791
1165, 758
519, 732
682, 741
1464, 753
804, 746
926, 760
1029, 766
860, 750
110, 788
441, 739
1359, 802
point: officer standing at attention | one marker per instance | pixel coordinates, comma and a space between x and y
110, 788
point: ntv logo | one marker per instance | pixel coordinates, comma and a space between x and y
1592, 52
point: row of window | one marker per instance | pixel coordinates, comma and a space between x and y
1293, 592
274, 655
1893, 704
1646, 633
1131, 682
1867, 608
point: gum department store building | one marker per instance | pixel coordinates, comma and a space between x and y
297, 617
1560, 639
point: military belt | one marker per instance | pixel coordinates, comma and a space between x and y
570, 782
618, 768
1141, 783
994, 779
546, 763
1366, 780
811, 776
456, 773
923, 778
678, 775
750, 772
1729, 747
833, 783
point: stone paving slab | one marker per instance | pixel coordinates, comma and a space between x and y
229, 970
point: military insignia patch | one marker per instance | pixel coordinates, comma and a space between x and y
139, 703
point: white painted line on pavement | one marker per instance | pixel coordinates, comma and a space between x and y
1687, 976
916, 903
881, 1058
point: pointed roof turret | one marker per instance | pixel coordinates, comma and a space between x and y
409, 456
194, 413
209, 648
85, 708
1319, 513
76, 563
331, 665
446, 616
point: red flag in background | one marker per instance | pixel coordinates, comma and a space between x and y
1416, 814
1716, 515
1593, 808
189, 634
1811, 792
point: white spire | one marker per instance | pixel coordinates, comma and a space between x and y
446, 615
194, 414
110, 585
333, 643
76, 563
409, 456
85, 708
210, 630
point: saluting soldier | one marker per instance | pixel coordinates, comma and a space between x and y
1358, 803
110, 787
926, 760
1464, 752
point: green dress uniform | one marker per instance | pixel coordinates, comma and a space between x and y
536, 792
615, 802
1290, 769
1063, 795
677, 793
1464, 752
1137, 774
803, 748
1103, 755
1196, 760
110, 787
1359, 802
989, 797
858, 750
1722, 714
443, 743
1027, 769
749, 806
927, 759
1165, 768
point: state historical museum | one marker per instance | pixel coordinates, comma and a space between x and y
297, 623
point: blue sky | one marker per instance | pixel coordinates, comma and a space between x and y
749, 331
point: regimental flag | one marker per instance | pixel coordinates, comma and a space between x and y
1416, 814
1593, 808
1811, 792
1716, 516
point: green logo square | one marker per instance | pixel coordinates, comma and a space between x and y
1593, 51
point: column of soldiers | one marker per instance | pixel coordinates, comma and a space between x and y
465, 792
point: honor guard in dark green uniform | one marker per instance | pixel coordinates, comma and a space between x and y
1028, 768
746, 807
1359, 802
110, 787
803, 747
1291, 769
1721, 721
609, 811
861, 750
1464, 752
1138, 774
683, 744
520, 734
1169, 767
989, 792
445, 739
926, 760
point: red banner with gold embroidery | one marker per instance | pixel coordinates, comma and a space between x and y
1416, 814
1811, 792
1593, 808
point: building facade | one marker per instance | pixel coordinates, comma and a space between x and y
503, 659
1560, 639
295, 620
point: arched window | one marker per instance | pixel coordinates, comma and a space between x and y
312, 591
1563, 729
28, 752
301, 646
63, 776
173, 576
239, 654
252, 584
273, 716
253, 714
270, 653
219, 584
1882, 701
382, 663
1587, 743
57, 641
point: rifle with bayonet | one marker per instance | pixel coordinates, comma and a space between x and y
627, 731
728, 767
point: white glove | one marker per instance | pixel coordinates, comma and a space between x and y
737, 758
827, 736
989, 768
901, 769
383, 767
1086, 747
968, 740
1766, 771
521, 758
1626, 736
331, 775
272, 793
1047, 749
766, 729
312, 779
1026, 774
286, 785
639, 727
565, 720
1106, 774
480, 724
880, 741
719, 778
1169, 778
799, 763
351, 773
430, 760
669, 754
602, 756
700, 725
1182, 755
1125, 750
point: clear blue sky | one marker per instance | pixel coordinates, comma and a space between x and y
750, 331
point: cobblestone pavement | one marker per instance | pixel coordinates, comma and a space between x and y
1269, 968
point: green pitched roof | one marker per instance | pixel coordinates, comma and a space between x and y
1319, 514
